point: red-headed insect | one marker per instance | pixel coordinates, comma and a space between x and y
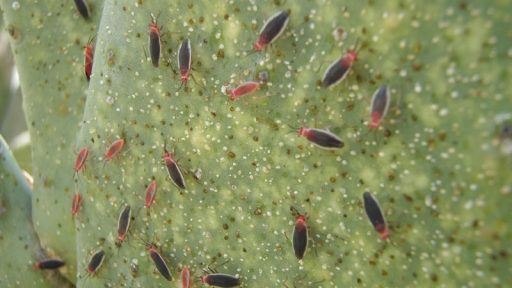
154, 41
114, 149
322, 138
95, 262
49, 264
123, 223
300, 234
83, 8
75, 205
372, 208
339, 69
160, 263
243, 89
185, 277
220, 280
173, 169
88, 58
271, 30
80, 159
380, 105
150, 194
184, 60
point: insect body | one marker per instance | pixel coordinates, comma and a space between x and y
322, 138
220, 280
49, 264
83, 8
154, 41
160, 263
173, 169
75, 205
339, 69
372, 208
114, 149
271, 30
80, 159
184, 60
244, 89
123, 224
95, 262
380, 105
88, 59
150, 194
300, 236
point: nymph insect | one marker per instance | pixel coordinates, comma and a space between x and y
243, 89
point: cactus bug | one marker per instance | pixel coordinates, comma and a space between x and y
380, 105
184, 60
75, 205
322, 138
300, 234
271, 30
150, 194
173, 169
220, 280
83, 8
123, 223
95, 262
114, 149
160, 263
243, 89
88, 58
374, 212
80, 159
154, 42
339, 69
185, 277
49, 264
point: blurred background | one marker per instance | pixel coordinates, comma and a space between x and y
12, 120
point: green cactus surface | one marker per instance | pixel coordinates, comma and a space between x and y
438, 164
47, 39
16, 231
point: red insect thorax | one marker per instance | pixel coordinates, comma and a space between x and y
168, 158
349, 58
300, 222
185, 74
185, 277
204, 279
260, 44
383, 231
80, 159
375, 122
304, 132
75, 206
121, 237
114, 149
153, 26
150, 194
